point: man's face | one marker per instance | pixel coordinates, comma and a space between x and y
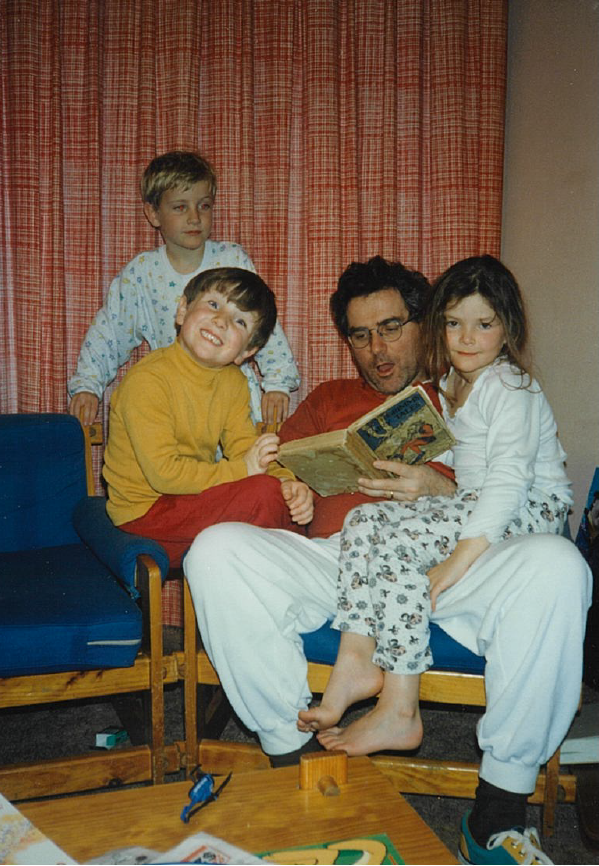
387, 367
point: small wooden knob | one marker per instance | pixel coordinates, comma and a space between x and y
328, 787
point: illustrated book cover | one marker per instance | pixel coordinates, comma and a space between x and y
406, 427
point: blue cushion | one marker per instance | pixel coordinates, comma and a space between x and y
61, 609
117, 549
322, 646
42, 477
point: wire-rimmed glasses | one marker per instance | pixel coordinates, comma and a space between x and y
389, 330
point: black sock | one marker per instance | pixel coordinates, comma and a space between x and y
287, 759
495, 810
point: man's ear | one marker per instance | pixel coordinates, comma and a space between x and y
181, 311
151, 215
243, 356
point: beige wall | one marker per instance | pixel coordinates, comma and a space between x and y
551, 210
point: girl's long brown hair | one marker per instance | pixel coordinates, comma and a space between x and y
489, 278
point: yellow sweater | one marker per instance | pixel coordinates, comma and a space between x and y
166, 419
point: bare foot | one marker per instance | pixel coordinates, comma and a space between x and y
377, 730
354, 678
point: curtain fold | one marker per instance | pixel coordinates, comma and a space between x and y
339, 129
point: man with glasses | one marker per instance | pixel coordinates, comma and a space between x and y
257, 590
377, 308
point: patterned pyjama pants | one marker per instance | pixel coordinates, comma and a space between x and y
387, 548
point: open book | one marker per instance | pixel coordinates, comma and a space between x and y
406, 427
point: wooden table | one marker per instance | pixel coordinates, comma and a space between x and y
258, 811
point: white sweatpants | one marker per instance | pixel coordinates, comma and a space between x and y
522, 605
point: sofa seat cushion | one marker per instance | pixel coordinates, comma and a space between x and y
60, 610
322, 646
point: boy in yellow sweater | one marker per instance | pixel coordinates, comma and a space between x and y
176, 405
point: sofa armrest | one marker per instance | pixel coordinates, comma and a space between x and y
118, 550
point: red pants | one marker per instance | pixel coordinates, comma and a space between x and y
174, 521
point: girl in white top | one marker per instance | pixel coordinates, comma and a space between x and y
396, 558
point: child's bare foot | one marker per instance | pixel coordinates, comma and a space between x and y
379, 729
354, 678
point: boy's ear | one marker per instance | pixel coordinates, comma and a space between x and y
244, 355
181, 311
151, 215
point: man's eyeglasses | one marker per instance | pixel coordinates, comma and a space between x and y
389, 331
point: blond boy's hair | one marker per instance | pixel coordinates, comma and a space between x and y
175, 168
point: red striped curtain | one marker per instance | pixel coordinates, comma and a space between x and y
339, 129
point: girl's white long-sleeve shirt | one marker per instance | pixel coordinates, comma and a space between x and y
506, 448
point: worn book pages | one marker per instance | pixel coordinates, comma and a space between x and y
406, 427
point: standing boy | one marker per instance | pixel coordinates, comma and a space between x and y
174, 408
178, 190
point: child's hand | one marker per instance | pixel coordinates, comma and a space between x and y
263, 451
84, 406
453, 569
300, 501
275, 404
443, 576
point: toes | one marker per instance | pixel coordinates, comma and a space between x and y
326, 738
307, 722
331, 732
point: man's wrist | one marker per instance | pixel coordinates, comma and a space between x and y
439, 484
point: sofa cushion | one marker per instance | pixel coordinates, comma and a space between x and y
47, 622
322, 646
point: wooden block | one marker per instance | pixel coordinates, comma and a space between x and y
331, 767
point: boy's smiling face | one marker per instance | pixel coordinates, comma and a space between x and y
184, 217
214, 330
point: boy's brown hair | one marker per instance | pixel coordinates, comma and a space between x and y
245, 289
172, 169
